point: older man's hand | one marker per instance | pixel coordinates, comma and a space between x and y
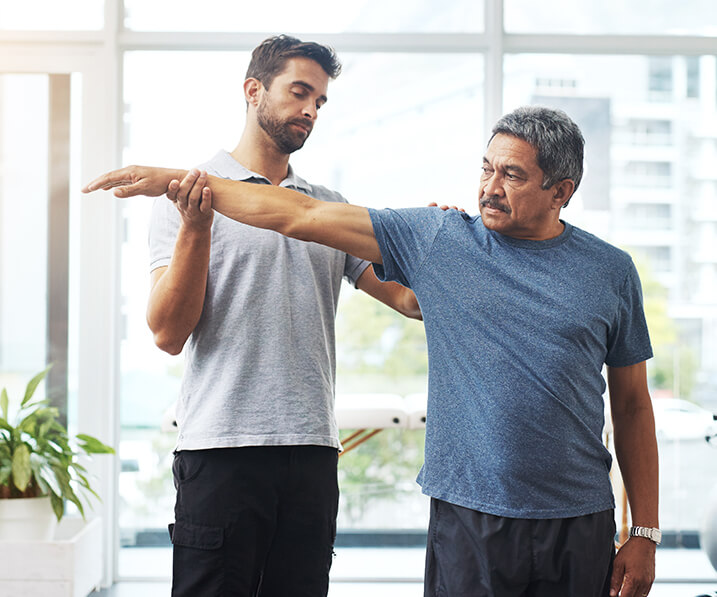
634, 568
136, 180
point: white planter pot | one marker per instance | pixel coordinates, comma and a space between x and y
27, 519
70, 565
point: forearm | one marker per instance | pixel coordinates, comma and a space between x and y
635, 442
337, 225
636, 450
394, 295
177, 297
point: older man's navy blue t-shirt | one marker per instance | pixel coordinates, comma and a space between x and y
518, 332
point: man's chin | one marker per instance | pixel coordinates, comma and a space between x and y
290, 146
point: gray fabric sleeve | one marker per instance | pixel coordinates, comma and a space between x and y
354, 268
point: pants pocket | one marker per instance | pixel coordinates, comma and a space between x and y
197, 536
198, 567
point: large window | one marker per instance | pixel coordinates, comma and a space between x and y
406, 124
634, 198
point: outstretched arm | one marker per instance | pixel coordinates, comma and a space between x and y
338, 225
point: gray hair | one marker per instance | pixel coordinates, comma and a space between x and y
556, 138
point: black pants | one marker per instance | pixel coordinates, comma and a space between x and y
472, 554
254, 521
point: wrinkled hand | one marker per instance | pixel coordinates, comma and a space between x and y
634, 568
446, 207
192, 198
135, 180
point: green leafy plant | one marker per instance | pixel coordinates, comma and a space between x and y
37, 456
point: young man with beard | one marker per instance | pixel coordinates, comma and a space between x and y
256, 455
522, 311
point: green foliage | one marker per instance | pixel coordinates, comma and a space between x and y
379, 469
37, 456
374, 341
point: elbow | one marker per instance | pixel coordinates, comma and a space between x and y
412, 313
411, 307
169, 342
168, 346
295, 229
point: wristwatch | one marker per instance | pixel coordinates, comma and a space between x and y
654, 535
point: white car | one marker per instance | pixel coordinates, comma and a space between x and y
681, 419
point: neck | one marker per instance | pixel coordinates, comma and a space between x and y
258, 153
553, 231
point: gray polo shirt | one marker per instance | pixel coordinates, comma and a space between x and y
260, 365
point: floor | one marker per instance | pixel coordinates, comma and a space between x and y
680, 573
137, 589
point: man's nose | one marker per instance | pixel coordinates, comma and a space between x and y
310, 111
492, 185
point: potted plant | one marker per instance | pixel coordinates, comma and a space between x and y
39, 467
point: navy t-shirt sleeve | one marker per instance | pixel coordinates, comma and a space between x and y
628, 340
405, 238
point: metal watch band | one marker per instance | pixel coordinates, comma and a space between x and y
652, 534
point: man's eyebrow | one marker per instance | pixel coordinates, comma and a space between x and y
515, 169
309, 88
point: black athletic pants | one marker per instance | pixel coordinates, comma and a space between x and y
254, 521
472, 554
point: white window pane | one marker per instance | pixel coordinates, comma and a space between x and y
39, 250
33, 15
321, 16
23, 224
651, 140
690, 17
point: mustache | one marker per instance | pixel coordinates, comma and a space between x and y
493, 202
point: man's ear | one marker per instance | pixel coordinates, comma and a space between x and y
563, 190
252, 91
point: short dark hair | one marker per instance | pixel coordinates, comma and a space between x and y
556, 138
269, 57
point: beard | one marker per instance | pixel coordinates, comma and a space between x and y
286, 138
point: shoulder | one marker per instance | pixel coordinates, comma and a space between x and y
223, 165
597, 248
425, 216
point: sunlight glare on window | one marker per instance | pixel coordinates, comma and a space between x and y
322, 16
47, 15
